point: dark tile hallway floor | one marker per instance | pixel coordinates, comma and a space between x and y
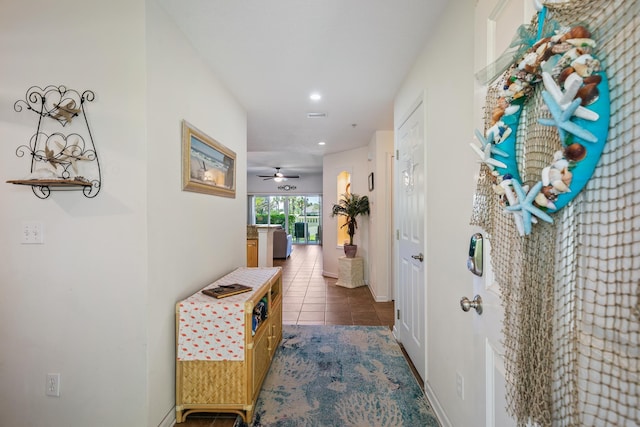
311, 299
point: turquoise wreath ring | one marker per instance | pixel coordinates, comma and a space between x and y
576, 93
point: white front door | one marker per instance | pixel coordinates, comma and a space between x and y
410, 211
496, 24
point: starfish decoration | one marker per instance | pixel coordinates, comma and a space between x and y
65, 113
485, 154
571, 85
562, 119
484, 141
71, 154
525, 205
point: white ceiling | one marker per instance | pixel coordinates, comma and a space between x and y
273, 53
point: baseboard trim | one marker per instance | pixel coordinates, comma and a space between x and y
378, 298
437, 408
169, 420
327, 274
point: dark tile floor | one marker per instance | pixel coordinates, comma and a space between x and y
311, 299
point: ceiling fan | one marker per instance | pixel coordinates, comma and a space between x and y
278, 176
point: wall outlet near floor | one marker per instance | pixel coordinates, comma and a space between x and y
460, 385
53, 385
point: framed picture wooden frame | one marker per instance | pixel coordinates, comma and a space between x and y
207, 166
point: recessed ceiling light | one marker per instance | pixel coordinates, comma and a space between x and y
321, 143
315, 96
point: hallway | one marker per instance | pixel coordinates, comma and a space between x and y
311, 299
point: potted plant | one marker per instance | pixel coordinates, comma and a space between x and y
350, 206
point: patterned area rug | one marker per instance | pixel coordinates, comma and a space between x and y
325, 376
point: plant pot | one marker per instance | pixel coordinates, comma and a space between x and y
350, 250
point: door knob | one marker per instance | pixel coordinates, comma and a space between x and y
476, 304
419, 257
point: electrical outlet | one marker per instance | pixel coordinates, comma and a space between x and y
460, 385
32, 233
53, 385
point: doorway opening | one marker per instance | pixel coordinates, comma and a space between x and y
299, 215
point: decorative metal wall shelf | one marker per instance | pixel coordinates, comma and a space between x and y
60, 161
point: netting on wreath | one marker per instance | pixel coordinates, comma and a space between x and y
571, 289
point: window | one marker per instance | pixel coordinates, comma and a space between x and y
300, 215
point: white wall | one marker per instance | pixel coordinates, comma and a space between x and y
381, 240
75, 305
355, 162
444, 69
193, 238
95, 302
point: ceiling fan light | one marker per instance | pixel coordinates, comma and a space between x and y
279, 179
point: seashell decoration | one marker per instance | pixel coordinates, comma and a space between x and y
574, 47
570, 72
42, 174
575, 152
589, 93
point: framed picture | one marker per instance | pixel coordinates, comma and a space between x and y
371, 181
207, 166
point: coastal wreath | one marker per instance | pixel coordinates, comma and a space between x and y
576, 93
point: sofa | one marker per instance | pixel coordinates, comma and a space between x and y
282, 244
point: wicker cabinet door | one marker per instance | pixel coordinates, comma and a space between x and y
261, 356
276, 327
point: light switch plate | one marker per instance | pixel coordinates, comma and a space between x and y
32, 233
